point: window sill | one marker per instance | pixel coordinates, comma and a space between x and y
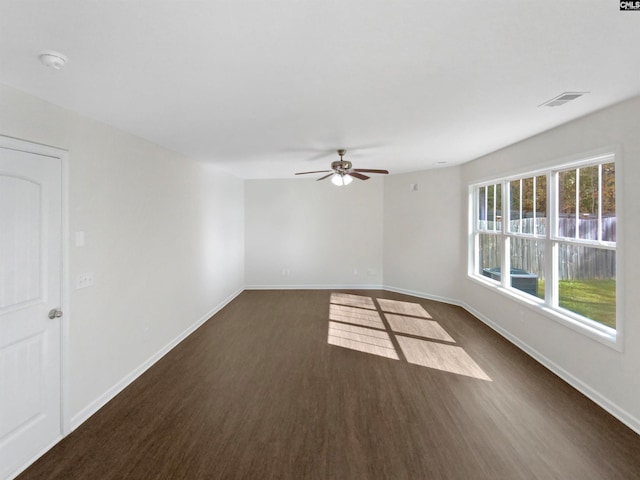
602, 334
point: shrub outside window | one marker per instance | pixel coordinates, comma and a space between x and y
554, 231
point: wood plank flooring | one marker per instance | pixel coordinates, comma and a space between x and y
259, 393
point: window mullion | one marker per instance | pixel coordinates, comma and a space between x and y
495, 212
520, 208
506, 206
486, 207
577, 233
505, 261
599, 203
505, 267
551, 247
535, 214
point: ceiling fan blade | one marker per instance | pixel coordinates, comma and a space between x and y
358, 175
326, 176
368, 170
317, 171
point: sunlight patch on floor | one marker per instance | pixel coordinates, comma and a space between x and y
353, 300
357, 324
358, 316
449, 358
362, 339
403, 308
418, 326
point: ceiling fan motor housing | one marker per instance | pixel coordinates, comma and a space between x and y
341, 166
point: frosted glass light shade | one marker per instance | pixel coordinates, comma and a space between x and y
340, 180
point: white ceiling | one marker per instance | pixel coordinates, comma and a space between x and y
268, 88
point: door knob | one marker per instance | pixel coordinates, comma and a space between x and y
55, 313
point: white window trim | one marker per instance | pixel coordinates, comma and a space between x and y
601, 333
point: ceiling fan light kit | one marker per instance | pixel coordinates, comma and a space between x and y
340, 180
343, 173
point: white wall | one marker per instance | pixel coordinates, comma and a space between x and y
164, 239
608, 376
422, 233
317, 231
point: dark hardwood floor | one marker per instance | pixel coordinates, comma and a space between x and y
259, 393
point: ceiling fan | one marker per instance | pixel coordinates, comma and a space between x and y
343, 172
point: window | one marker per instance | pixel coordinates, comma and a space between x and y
554, 231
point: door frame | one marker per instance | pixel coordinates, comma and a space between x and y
12, 143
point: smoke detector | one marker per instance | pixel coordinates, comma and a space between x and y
53, 59
562, 99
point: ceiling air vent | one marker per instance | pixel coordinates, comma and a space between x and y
562, 99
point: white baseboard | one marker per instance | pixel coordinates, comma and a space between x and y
597, 397
426, 296
314, 287
99, 402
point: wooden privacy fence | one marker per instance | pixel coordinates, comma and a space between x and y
575, 262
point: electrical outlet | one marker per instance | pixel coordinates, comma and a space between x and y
84, 280
355, 271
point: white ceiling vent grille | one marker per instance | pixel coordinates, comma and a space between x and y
562, 99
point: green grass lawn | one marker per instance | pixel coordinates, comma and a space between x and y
594, 299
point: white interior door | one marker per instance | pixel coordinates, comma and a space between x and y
30, 286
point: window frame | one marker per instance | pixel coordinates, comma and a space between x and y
548, 306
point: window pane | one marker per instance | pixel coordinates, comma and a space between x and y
514, 212
587, 282
527, 205
588, 218
482, 208
490, 252
567, 204
491, 214
490, 208
541, 205
609, 202
498, 224
527, 266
